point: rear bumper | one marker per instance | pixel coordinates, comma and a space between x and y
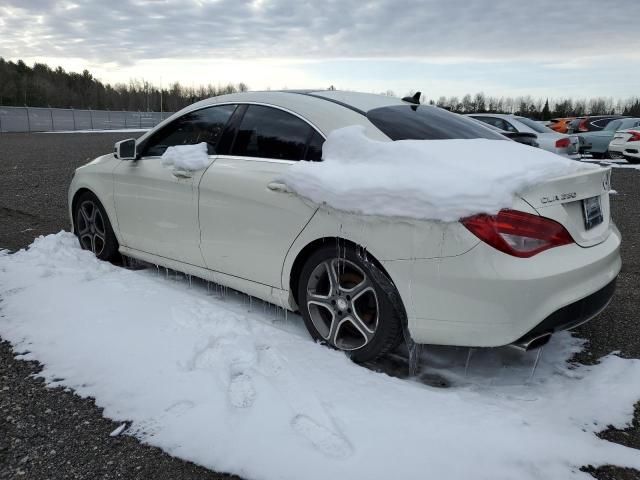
574, 314
485, 298
625, 150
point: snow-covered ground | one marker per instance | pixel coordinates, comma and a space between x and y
236, 385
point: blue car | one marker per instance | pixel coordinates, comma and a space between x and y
597, 142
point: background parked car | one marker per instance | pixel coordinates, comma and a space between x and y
626, 144
560, 125
591, 123
548, 139
597, 142
525, 138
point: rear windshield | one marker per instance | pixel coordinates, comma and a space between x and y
424, 122
533, 125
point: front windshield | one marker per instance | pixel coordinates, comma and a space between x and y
533, 125
425, 122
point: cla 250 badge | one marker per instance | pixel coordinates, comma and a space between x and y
558, 198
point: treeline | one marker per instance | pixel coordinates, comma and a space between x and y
42, 86
539, 109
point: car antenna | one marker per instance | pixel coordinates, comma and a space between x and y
415, 99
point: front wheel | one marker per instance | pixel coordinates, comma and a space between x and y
93, 229
349, 303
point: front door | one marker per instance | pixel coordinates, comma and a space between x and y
157, 205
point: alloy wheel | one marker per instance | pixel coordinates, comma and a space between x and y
343, 304
91, 227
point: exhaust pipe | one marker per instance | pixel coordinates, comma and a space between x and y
531, 343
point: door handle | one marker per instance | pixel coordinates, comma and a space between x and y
182, 174
278, 187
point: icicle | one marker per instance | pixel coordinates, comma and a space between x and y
468, 361
414, 358
535, 364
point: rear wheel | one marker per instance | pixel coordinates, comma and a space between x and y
93, 229
633, 160
349, 303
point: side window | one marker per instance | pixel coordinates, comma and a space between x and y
489, 120
204, 125
498, 123
314, 150
601, 123
271, 133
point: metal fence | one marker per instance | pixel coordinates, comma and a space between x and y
34, 119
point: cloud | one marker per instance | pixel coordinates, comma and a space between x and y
130, 31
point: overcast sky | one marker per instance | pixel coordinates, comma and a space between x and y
555, 48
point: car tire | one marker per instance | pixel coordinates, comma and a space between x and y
632, 160
349, 303
93, 229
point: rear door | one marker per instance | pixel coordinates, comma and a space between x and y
157, 206
247, 222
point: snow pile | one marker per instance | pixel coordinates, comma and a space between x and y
225, 383
434, 179
186, 157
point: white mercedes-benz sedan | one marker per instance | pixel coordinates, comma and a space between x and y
548, 263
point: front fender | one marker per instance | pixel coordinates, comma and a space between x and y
97, 177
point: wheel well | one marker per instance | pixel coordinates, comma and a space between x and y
74, 203
306, 252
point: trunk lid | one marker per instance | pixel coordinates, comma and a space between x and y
573, 201
620, 137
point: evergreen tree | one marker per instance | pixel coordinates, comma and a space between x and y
546, 111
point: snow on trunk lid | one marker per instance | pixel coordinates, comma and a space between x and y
573, 201
443, 180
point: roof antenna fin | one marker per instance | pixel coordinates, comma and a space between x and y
415, 99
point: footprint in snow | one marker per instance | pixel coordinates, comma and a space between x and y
330, 443
180, 407
269, 362
242, 394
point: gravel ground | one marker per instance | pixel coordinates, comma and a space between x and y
52, 433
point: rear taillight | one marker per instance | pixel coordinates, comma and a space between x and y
518, 233
583, 126
563, 143
635, 136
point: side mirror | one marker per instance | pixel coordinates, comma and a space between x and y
125, 149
